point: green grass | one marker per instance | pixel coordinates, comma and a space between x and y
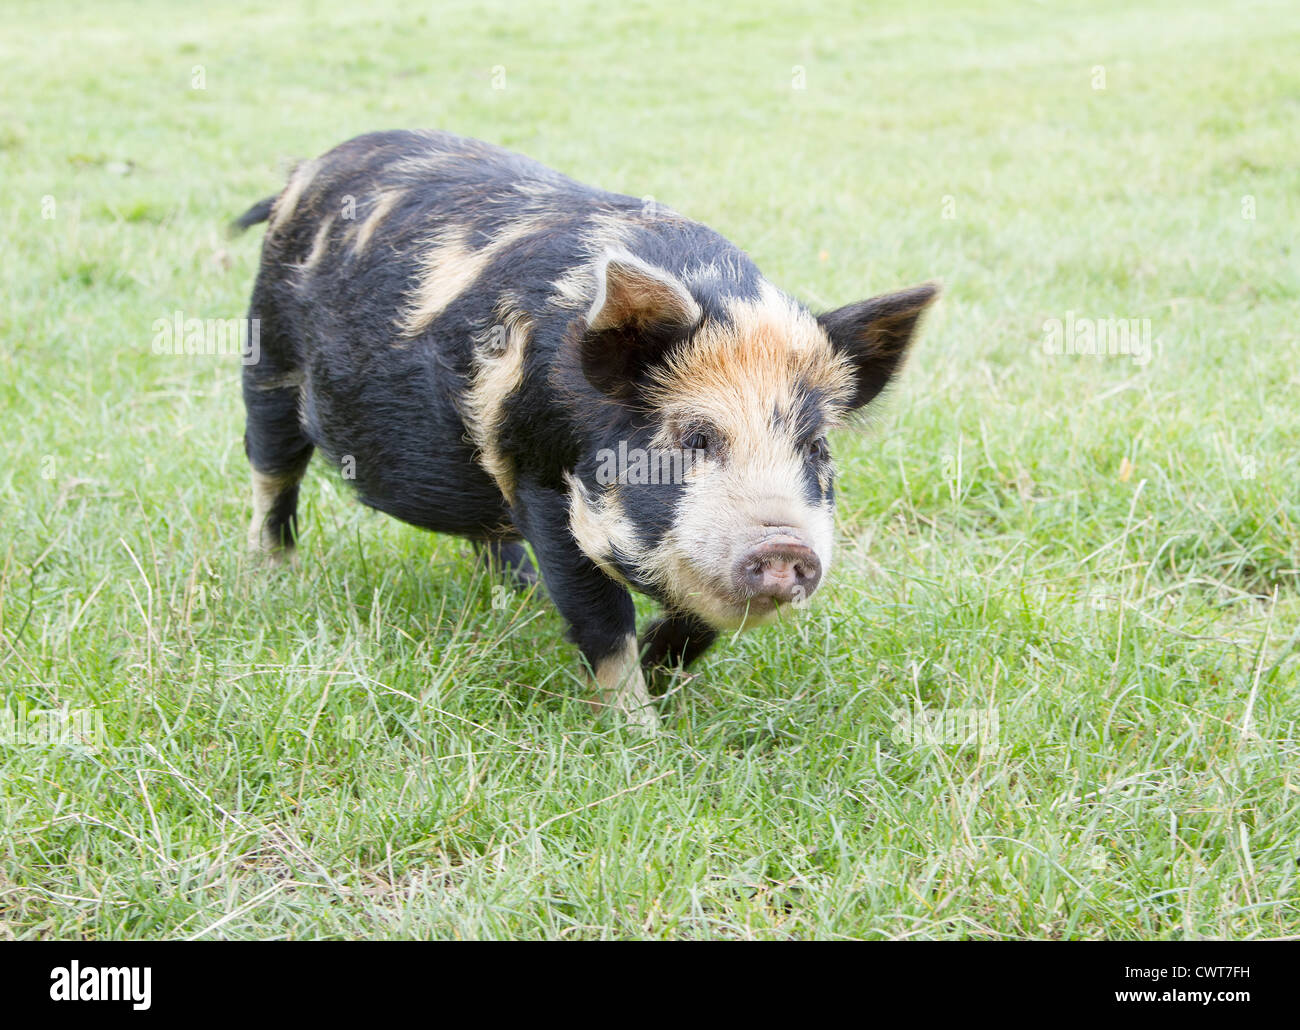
1096, 561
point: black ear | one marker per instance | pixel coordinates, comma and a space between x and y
639, 311
875, 335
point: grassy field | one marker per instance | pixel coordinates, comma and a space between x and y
1052, 688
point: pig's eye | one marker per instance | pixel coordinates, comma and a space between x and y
819, 450
697, 441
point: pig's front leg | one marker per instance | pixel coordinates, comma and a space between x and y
601, 617
674, 641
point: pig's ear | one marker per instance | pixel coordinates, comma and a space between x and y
631, 294
875, 335
639, 311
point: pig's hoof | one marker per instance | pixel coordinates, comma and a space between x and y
510, 558
275, 558
642, 721
661, 680
636, 716
269, 552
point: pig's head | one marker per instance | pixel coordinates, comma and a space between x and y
710, 483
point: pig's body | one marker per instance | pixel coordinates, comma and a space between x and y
389, 389
470, 335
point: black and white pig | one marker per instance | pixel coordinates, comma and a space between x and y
499, 352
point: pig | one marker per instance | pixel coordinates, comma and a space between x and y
496, 351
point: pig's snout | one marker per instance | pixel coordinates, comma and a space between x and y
780, 569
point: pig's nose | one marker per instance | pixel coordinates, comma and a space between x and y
782, 569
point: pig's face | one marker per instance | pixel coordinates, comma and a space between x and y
752, 397
719, 497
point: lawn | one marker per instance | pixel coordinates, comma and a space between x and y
1052, 687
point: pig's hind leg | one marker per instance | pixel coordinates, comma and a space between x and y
277, 449
509, 558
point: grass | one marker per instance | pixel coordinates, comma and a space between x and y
1051, 690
